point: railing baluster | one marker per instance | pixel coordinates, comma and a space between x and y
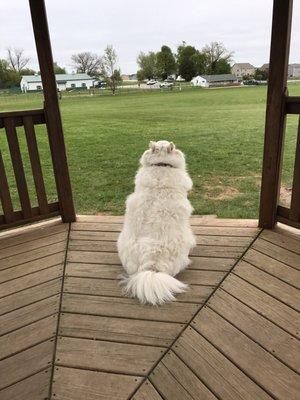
5, 194
295, 200
16, 158
35, 164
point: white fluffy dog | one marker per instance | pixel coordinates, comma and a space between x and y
156, 237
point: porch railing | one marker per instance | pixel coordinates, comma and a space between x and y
50, 116
291, 216
8, 123
279, 105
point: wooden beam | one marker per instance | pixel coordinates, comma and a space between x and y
292, 105
275, 113
52, 112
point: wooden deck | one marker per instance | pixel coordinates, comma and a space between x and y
67, 333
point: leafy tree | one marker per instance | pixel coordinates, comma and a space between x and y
187, 61
215, 52
109, 69
166, 63
58, 69
27, 71
222, 67
147, 64
16, 59
87, 62
8, 77
200, 61
261, 75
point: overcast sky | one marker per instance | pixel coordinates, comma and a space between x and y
132, 26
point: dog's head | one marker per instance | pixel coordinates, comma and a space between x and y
163, 152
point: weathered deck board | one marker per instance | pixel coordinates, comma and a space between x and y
30, 295
28, 314
282, 240
278, 253
28, 281
33, 244
31, 234
276, 268
266, 305
35, 387
147, 392
269, 284
128, 308
176, 381
76, 384
28, 336
256, 362
119, 329
99, 355
258, 328
26, 363
32, 255
32, 266
223, 377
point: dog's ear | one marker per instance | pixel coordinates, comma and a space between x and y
171, 147
152, 146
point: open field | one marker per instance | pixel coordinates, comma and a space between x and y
221, 132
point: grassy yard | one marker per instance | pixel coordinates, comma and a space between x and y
220, 131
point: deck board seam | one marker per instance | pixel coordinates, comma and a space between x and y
188, 324
59, 313
264, 291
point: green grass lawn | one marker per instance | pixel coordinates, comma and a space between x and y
220, 131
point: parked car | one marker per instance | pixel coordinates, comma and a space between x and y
152, 82
100, 84
164, 85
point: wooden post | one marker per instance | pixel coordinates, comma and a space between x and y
52, 113
275, 113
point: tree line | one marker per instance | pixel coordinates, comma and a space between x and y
105, 66
188, 61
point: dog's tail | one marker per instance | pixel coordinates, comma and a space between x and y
152, 287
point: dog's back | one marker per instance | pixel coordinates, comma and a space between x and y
156, 237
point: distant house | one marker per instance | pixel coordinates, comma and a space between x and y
31, 83
214, 80
125, 77
243, 69
294, 71
264, 67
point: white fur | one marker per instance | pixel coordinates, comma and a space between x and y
156, 237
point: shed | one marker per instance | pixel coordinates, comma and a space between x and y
31, 83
